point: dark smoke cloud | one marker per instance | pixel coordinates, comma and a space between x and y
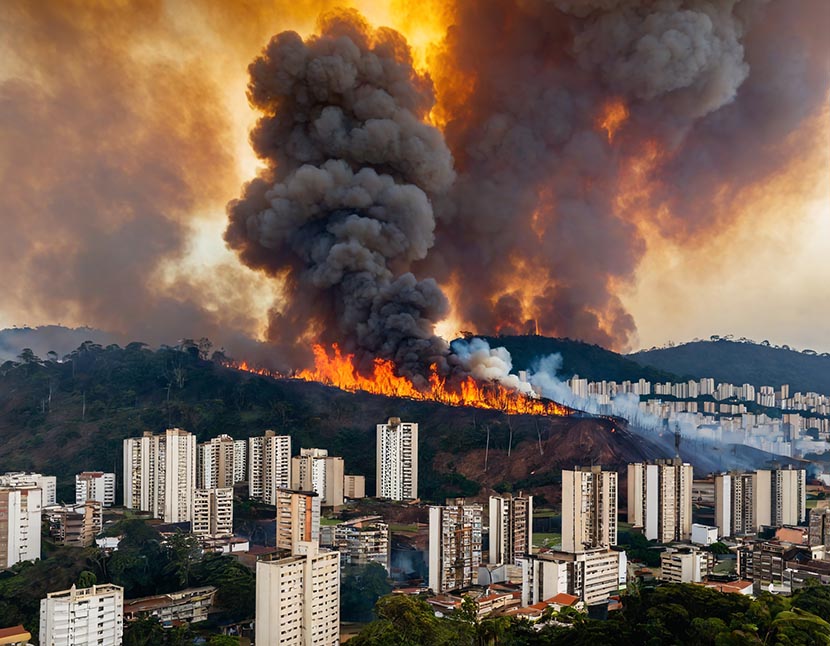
344, 209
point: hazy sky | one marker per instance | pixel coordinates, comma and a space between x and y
124, 134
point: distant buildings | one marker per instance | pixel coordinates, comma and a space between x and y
360, 541
160, 474
269, 466
74, 525
511, 528
213, 512
745, 502
454, 545
298, 589
660, 499
315, 470
589, 509
397, 460
20, 508
95, 485
220, 463
83, 617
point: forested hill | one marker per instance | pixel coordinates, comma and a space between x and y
578, 358
62, 417
743, 362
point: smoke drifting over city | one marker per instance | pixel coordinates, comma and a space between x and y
507, 178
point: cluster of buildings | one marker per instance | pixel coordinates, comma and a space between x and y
800, 425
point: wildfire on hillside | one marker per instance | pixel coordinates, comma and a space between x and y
334, 368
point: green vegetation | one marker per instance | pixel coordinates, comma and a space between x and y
541, 539
360, 589
143, 564
588, 361
687, 615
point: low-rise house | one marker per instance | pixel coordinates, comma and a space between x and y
189, 605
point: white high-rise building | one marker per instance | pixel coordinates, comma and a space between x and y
660, 499
397, 460
269, 466
589, 509
83, 617
298, 589
454, 545
160, 474
591, 575
95, 485
315, 470
511, 528
213, 512
221, 462
46, 484
745, 502
20, 509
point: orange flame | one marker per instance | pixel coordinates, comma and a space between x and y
614, 115
337, 369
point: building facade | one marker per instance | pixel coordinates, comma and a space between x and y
20, 509
592, 575
660, 499
315, 470
160, 474
269, 466
354, 487
95, 485
83, 617
46, 484
361, 541
75, 525
298, 519
589, 509
221, 462
685, 565
213, 512
454, 545
511, 528
397, 460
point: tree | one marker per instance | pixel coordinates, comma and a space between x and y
223, 640
146, 631
87, 579
360, 590
184, 551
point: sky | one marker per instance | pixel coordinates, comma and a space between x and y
124, 134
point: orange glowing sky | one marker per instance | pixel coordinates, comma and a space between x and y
765, 276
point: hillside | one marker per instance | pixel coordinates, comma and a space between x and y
584, 359
739, 363
99, 396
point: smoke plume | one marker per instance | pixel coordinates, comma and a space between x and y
344, 207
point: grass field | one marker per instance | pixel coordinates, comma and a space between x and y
546, 540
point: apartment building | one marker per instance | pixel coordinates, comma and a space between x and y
354, 487
820, 528
213, 512
454, 545
298, 588
46, 484
745, 502
361, 541
592, 575
74, 525
160, 474
660, 499
298, 519
190, 605
221, 462
83, 617
685, 565
20, 509
315, 470
589, 509
397, 460
511, 528
95, 485
269, 466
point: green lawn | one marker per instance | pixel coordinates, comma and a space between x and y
541, 539
330, 521
403, 528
